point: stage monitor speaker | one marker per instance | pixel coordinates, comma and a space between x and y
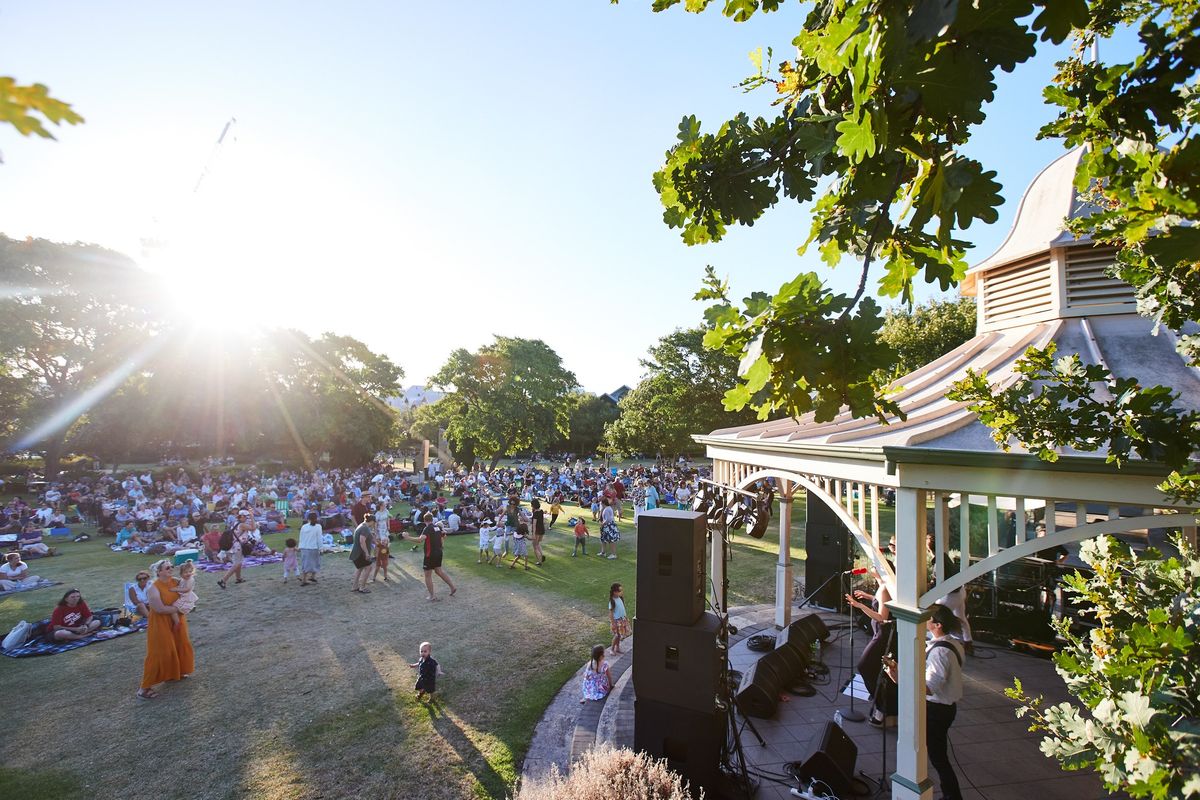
678, 664
804, 631
827, 544
670, 566
690, 741
758, 694
833, 762
790, 662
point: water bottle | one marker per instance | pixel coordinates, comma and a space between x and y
816, 652
837, 718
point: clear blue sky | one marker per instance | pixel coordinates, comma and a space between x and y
418, 175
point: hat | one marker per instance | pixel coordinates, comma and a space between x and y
13, 554
243, 511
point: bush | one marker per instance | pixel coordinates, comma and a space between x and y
604, 774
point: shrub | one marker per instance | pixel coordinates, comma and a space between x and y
604, 774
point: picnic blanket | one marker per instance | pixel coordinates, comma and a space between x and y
250, 561
37, 646
41, 584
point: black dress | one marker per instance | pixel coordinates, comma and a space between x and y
870, 664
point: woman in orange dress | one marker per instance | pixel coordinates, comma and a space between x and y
169, 654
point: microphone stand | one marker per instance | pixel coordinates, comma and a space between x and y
852, 715
817, 591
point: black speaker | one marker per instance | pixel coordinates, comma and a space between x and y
833, 762
790, 662
670, 566
690, 741
678, 664
827, 546
758, 693
804, 631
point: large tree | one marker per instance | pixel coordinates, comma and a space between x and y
511, 395
873, 113
588, 417
73, 326
681, 394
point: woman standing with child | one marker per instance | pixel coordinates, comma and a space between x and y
169, 654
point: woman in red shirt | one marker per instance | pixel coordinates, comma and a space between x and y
72, 619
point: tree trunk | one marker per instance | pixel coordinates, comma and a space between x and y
53, 455
500, 451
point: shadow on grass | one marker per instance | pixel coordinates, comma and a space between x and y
492, 782
50, 785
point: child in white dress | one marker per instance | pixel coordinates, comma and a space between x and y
185, 584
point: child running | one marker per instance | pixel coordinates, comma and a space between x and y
520, 545
618, 621
581, 534
427, 671
291, 560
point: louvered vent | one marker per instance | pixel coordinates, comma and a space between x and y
1088, 282
1016, 291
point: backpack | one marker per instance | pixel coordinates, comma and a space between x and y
226, 542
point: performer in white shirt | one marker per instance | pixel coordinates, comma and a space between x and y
943, 690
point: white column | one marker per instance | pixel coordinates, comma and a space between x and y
716, 569
911, 780
783, 566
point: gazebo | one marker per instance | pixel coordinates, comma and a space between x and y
1042, 285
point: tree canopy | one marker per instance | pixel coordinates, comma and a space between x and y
873, 113
919, 334
681, 394
513, 394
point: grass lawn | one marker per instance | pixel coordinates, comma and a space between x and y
306, 692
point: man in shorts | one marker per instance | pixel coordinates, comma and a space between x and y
432, 539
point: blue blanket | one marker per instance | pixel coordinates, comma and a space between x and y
42, 584
37, 646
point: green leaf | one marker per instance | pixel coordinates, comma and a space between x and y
856, 141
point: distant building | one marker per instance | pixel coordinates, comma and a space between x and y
615, 395
415, 396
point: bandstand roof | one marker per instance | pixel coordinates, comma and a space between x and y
1042, 285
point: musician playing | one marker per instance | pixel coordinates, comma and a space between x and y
1051, 592
943, 690
869, 666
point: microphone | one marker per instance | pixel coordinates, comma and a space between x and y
859, 571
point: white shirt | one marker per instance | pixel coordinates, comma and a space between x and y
310, 537
943, 675
453, 522
10, 571
187, 533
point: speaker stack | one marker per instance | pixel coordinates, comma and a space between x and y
833, 762
828, 545
676, 661
783, 669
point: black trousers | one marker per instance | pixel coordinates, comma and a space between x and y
938, 719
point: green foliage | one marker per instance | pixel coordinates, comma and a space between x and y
588, 417
872, 117
1054, 403
511, 395
920, 334
78, 316
828, 349
25, 108
682, 393
1136, 675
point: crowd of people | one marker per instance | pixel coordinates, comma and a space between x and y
224, 512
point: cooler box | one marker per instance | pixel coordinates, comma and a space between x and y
59, 531
185, 555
